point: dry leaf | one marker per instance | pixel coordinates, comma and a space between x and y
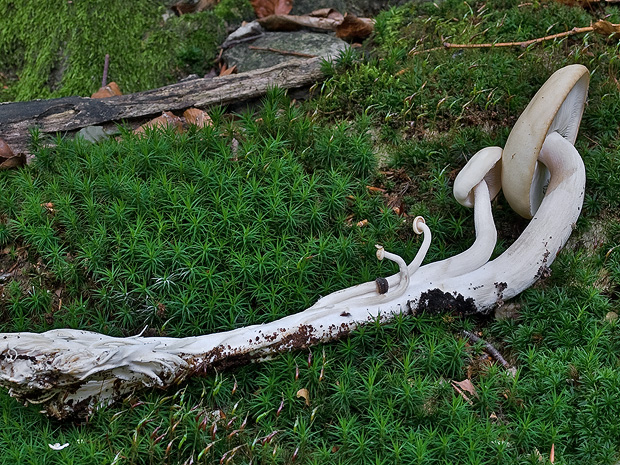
165, 120
8, 159
294, 23
464, 386
328, 13
5, 150
362, 223
197, 117
354, 28
606, 28
109, 90
264, 8
225, 71
303, 392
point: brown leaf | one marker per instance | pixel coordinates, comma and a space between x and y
328, 13
294, 23
197, 117
354, 28
166, 119
606, 28
303, 392
465, 386
109, 90
264, 8
225, 71
8, 159
5, 150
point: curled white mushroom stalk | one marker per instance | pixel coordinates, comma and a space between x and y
71, 372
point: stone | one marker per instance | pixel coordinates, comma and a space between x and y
311, 43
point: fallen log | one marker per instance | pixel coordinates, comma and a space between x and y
72, 113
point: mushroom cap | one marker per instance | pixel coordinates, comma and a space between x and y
557, 106
485, 164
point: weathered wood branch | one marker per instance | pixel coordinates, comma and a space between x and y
71, 113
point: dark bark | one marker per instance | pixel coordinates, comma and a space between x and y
72, 113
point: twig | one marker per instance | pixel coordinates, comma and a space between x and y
525, 43
412, 53
490, 349
106, 63
282, 52
600, 27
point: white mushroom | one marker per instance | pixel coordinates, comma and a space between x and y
556, 107
70, 372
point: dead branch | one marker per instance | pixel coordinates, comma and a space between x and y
71, 113
489, 348
599, 27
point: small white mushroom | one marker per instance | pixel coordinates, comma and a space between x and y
70, 372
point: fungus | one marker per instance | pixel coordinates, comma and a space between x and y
556, 107
71, 372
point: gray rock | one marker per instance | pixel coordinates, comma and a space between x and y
312, 43
96, 133
246, 32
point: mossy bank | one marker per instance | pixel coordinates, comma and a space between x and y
56, 48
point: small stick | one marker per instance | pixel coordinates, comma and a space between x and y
525, 43
283, 52
490, 349
106, 63
417, 52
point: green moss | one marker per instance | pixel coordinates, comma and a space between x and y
221, 241
57, 48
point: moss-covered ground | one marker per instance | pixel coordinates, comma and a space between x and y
57, 48
188, 235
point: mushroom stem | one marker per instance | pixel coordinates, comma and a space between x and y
479, 252
419, 227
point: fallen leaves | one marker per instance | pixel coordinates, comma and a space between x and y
226, 71
109, 90
303, 392
347, 27
8, 159
166, 120
264, 8
354, 28
191, 116
464, 388
197, 117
